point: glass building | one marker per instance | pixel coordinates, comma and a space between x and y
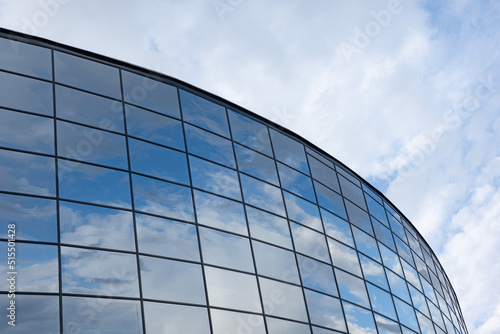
132, 202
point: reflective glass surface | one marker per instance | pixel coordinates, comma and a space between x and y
381, 301
325, 311
330, 200
352, 288
268, 227
226, 322
309, 242
262, 195
317, 275
303, 212
324, 174
289, 151
344, 257
359, 217
39, 314
359, 320
283, 300
279, 326
337, 228
256, 164
250, 133
373, 272
275, 262
25, 59
170, 318
296, 182
214, 178
352, 192
209, 146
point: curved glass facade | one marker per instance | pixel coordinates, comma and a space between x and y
131, 202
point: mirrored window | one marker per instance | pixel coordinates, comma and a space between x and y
330, 200
296, 182
317, 275
26, 94
366, 244
92, 145
25, 59
166, 237
404, 251
302, 211
162, 198
154, 127
398, 286
171, 318
348, 175
268, 227
275, 262
352, 192
421, 267
381, 301
35, 218
373, 272
357, 318
359, 218
82, 182
406, 314
26, 132
325, 311
87, 74
172, 280
411, 275
231, 289
93, 226
279, 326
283, 300
426, 324
337, 228
33, 314
215, 178
419, 301
209, 146
262, 195
376, 210
101, 315
151, 94
204, 113
250, 133
397, 228
324, 174
320, 157
97, 272
344, 257
158, 161
256, 164
224, 322
383, 234
218, 212
27, 173
289, 151
75, 105
429, 291
390, 259
385, 325
226, 250
310, 242
436, 315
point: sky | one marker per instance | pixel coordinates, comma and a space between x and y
404, 92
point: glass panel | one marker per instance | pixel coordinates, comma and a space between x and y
209, 146
226, 250
337, 228
101, 315
268, 227
153, 127
359, 321
220, 213
275, 262
359, 218
262, 195
25, 59
167, 238
98, 272
36, 266
436, 315
406, 314
303, 211
296, 182
352, 192
278, 326
398, 286
32, 314
320, 156
376, 210
310, 242
162, 198
92, 145
411, 275
366, 244
35, 218
172, 280
26, 132
98, 185
27, 173
93, 226
151, 94
317, 275
289, 151
26, 94
330, 200
256, 164
373, 272
404, 251
391, 260
419, 301
214, 178
169, 318
87, 74
426, 325
325, 311
387, 326
344, 257
381, 302
250, 133
204, 113
383, 234
81, 107
224, 322
397, 228
348, 175
352, 288
158, 161
283, 300
324, 174
232, 290
372, 193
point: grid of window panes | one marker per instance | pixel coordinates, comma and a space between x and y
142, 206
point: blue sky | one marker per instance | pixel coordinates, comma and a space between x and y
406, 93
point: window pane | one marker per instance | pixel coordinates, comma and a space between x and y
406, 314
168, 238
220, 213
411, 275
153, 127
325, 311
172, 280
337, 228
387, 326
324, 174
250, 133
275, 262
27, 173
358, 319
98, 272
381, 302
419, 301
87, 74
317, 275
390, 259
25, 59
373, 272
79, 181
268, 227
320, 157
93, 226
398, 286
359, 218
262, 195
344, 257
383, 234
256, 164
309, 242
226, 250
303, 211
289, 151
151, 94
366, 244
224, 322
35, 218
214, 178
232, 290
404, 251
26, 132
168, 318
209, 146
283, 300
376, 210
352, 288
296, 182
92, 145
426, 325
330, 200
352, 192
278, 326
34, 314
204, 113
158, 161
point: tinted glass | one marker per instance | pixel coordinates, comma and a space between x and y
366, 244
275, 262
209, 146
289, 151
385, 325
324, 174
359, 217
283, 300
225, 322
398, 286
373, 272
330, 200
320, 157
381, 302
376, 210
278, 326
262, 195
309, 242
325, 311
352, 192
357, 318
256, 164
296, 182
317, 275
250, 133
215, 178
169, 318
268, 227
25, 59
344, 257
302, 211
406, 314
383, 234
38, 314
337, 228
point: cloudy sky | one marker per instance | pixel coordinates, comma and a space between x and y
406, 93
